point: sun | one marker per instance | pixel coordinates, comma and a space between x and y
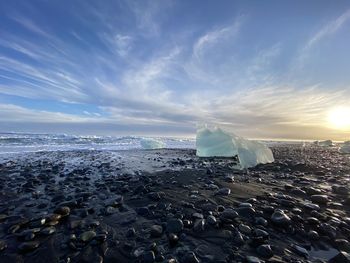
339, 118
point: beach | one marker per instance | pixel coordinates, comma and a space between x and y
167, 205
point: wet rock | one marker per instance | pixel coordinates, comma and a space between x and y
342, 245
156, 231
223, 191
63, 211
245, 229
199, 225
342, 257
173, 239
228, 214
313, 235
211, 220
300, 251
265, 251
280, 218
319, 199
26, 247
48, 230
251, 259
340, 190
175, 225
238, 238
87, 236
3, 245
130, 232
246, 212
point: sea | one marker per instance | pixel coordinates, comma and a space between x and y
30, 142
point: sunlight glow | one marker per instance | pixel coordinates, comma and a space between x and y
339, 118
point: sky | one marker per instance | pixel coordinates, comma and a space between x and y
261, 69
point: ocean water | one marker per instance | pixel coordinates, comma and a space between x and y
26, 142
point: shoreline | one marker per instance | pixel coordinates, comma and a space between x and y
163, 205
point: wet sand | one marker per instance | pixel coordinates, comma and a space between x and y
170, 206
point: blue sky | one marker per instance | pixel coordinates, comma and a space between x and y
263, 69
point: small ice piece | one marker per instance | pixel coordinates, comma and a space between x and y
345, 148
326, 143
218, 143
151, 143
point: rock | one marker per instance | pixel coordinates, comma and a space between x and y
342, 257
246, 212
130, 232
228, 214
265, 251
3, 245
48, 230
156, 231
199, 225
223, 191
26, 247
245, 229
190, 257
300, 251
87, 236
340, 189
313, 235
175, 225
173, 239
251, 259
211, 220
342, 245
319, 199
280, 218
238, 239
63, 211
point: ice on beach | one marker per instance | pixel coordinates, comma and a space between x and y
326, 143
345, 148
218, 143
150, 143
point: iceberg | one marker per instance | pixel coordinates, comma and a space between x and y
218, 143
150, 143
345, 148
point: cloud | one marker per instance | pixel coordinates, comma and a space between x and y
331, 28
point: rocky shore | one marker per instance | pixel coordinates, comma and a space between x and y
184, 209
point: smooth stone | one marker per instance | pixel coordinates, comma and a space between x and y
48, 230
280, 218
319, 199
342, 257
197, 216
261, 233
87, 236
342, 245
63, 211
300, 251
265, 251
229, 214
130, 232
173, 239
251, 259
246, 212
26, 247
245, 229
3, 245
199, 225
175, 225
211, 220
156, 231
313, 235
223, 191
238, 238
261, 221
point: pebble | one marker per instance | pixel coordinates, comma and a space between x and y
3, 245
223, 191
199, 225
211, 220
190, 257
175, 225
280, 218
156, 231
319, 199
265, 251
63, 211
